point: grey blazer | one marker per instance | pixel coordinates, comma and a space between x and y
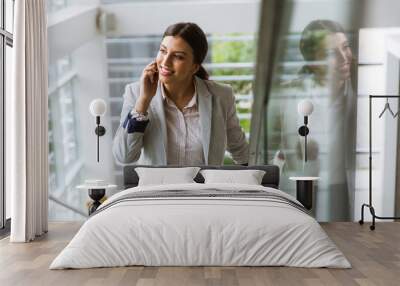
219, 126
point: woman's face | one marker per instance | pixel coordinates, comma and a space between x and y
339, 55
175, 61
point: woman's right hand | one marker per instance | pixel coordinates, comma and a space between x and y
148, 87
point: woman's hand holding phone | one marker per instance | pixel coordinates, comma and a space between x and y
148, 87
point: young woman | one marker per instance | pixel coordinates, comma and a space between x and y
175, 115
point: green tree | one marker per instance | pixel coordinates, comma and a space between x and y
236, 51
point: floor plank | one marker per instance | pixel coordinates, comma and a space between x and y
374, 255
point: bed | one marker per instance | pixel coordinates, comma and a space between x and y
201, 224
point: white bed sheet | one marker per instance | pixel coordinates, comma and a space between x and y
200, 231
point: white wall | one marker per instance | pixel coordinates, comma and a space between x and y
379, 13
69, 29
351, 14
153, 17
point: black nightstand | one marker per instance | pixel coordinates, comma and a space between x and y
304, 190
96, 191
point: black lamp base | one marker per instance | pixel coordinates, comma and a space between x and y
100, 130
96, 195
303, 130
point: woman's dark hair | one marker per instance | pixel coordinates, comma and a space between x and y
314, 33
196, 39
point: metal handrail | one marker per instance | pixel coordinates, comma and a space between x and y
67, 206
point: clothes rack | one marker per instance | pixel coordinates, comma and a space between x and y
370, 205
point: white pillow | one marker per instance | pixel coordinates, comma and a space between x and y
248, 177
164, 176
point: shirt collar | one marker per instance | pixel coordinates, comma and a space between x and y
191, 103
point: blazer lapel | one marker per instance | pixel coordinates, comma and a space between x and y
205, 111
157, 107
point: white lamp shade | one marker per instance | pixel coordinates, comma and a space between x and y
305, 107
98, 107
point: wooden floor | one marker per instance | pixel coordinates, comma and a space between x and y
374, 255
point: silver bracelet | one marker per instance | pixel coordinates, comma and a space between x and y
139, 116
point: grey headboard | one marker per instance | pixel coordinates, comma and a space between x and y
270, 179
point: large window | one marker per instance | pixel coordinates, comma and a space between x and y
65, 165
99, 63
6, 43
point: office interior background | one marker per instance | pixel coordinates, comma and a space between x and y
97, 47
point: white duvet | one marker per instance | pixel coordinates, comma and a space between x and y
185, 231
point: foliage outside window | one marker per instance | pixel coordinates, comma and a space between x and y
236, 50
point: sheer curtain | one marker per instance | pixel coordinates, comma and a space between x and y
26, 116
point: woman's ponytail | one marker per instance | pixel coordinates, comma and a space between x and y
202, 73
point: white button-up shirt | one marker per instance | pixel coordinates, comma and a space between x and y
184, 143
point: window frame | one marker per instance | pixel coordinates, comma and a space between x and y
6, 39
